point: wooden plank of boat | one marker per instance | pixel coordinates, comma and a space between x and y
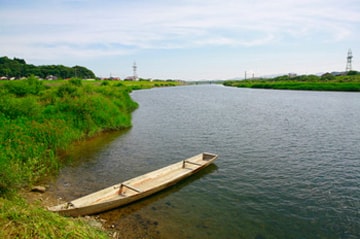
135, 188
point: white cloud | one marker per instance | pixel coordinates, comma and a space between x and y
93, 29
146, 26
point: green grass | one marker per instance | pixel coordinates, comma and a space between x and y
19, 219
325, 83
146, 84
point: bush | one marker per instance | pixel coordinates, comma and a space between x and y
352, 73
67, 90
8, 174
20, 88
105, 83
327, 77
76, 81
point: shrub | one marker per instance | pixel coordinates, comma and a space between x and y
76, 81
105, 83
67, 90
24, 87
352, 73
19, 107
327, 77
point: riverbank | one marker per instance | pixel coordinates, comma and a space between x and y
326, 82
39, 120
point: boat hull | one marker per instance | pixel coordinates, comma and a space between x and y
136, 188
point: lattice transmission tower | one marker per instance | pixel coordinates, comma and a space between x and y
135, 77
348, 62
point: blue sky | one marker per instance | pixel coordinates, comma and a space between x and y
184, 39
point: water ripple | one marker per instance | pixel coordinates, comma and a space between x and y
289, 164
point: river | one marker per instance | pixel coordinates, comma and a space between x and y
288, 167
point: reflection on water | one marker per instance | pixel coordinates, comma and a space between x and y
288, 166
147, 223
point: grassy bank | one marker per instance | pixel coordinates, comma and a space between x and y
326, 82
146, 84
38, 119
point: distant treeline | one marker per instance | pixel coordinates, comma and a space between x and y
19, 68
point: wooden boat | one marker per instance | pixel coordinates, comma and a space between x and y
135, 188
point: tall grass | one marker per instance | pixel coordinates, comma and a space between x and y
21, 220
37, 120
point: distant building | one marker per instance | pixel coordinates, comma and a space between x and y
292, 75
131, 78
51, 77
114, 78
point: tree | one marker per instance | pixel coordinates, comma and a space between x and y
327, 77
18, 68
82, 72
20, 61
352, 73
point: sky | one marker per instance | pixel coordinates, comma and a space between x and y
184, 39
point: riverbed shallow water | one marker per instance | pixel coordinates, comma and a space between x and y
288, 167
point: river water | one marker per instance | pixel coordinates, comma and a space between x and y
288, 167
